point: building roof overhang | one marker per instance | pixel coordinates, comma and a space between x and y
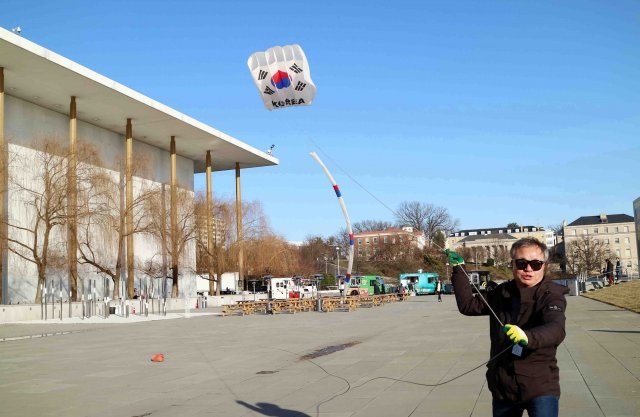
37, 75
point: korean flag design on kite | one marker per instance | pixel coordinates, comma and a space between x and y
282, 76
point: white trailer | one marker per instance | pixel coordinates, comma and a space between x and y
228, 284
281, 287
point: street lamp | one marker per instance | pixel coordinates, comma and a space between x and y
326, 258
338, 262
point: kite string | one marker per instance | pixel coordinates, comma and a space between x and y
353, 179
396, 215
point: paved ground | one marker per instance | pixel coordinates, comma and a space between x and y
254, 365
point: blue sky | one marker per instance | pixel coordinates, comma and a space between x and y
499, 111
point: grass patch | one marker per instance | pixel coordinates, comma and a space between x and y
624, 295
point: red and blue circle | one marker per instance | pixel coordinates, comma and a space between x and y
281, 80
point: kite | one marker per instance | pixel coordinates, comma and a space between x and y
282, 76
346, 217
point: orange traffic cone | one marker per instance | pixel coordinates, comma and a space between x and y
158, 357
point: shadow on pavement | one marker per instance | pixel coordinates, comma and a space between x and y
272, 410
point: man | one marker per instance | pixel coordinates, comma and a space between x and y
608, 269
618, 270
525, 375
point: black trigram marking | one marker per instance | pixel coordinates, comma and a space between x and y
262, 75
268, 90
295, 68
300, 86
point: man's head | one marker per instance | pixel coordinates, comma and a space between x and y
528, 259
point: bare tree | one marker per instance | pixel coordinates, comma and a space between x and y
272, 255
371, 226
556, 228
585, 254
43, 191
502, 256
426, 218
101, 227
224, 254
174, 240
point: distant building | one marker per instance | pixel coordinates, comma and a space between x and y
617, 232
368, 244
636, 212
495, 243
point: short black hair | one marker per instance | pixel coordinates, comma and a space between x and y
526, 242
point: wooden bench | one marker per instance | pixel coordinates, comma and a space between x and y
330, 304
283, 306
305, 304
242, 309
366, 301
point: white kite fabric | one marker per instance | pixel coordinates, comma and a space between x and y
282, 76
344, 212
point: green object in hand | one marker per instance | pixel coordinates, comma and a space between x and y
516, 334
453, 258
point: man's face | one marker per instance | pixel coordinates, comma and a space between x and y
527, 277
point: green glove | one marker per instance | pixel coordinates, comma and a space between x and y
516, 334
453, 258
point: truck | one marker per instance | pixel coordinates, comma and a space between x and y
420, 283
366, 285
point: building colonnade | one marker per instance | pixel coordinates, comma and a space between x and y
72, 249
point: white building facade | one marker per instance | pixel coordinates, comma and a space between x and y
47, 98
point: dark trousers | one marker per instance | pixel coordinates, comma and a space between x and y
545, 406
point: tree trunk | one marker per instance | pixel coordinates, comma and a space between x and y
41, 281
174, 275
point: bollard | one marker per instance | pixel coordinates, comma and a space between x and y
43, 304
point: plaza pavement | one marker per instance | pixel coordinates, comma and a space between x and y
254, 365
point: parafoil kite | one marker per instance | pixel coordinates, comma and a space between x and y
282, 76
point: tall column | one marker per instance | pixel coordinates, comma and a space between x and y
128, 208
174, 221
4, 174
210, 245
72, 201
239, 229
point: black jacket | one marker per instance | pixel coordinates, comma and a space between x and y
539, 311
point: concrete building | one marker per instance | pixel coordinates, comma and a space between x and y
368, 244
496, 242
617, 232
46, 97
636, 213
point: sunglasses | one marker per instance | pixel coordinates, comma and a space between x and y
522, 264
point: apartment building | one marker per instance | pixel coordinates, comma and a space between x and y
368, 244
617, 232
495, 243
636, 213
